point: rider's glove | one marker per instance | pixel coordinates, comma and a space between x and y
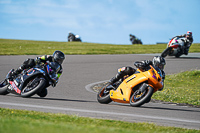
37, 60
54, 84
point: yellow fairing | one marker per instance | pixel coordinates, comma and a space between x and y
123, 93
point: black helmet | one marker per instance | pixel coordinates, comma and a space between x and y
159, 62
58, 56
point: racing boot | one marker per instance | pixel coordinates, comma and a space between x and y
111, 84
113, 80
116, 78
186, 50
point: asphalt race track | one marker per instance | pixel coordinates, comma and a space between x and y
71, 95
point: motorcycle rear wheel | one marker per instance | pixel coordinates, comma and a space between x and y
33, 87
138, 100
43, 92
177, 55
103, 96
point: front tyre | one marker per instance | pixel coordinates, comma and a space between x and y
33, 86
166, 52
138, 99
103, 96
3, 88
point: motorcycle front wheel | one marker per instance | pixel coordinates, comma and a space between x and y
138, 99
166, 52
103, 95
3, 88
33, 86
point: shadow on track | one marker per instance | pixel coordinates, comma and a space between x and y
157, 108
170, 57
52, 99
175, 109
189, 57
60, 99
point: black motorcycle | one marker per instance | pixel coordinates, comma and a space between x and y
76, 38
31, 81
135, 40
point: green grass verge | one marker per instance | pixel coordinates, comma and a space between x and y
21, 121
27, 47
183, 87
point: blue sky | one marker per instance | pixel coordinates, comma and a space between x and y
99, 21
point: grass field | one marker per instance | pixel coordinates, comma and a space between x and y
20, 121
27, 47
182, 88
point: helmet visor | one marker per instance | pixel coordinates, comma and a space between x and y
59, 60
161, 66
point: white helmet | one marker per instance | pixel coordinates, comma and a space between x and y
77, 36
159, 62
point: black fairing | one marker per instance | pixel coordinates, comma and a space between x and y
46, 71
27, 77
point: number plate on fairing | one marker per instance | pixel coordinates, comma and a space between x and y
13, 87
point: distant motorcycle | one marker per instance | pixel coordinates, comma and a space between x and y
174, 47
31, 81
74, 38
134, 39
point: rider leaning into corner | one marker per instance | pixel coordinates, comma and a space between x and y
144, 65
71, 35
188, 41
57, 56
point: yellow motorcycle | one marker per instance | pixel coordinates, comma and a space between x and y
136, 89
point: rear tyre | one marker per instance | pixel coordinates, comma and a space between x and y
137, 100
42, 93
103, 96
33, 87
166, 52
177, 55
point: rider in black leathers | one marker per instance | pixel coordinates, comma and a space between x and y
71, 37
188, 42
57, 56
134, 39
158, 61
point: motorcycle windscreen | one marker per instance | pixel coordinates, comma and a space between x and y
54, 66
